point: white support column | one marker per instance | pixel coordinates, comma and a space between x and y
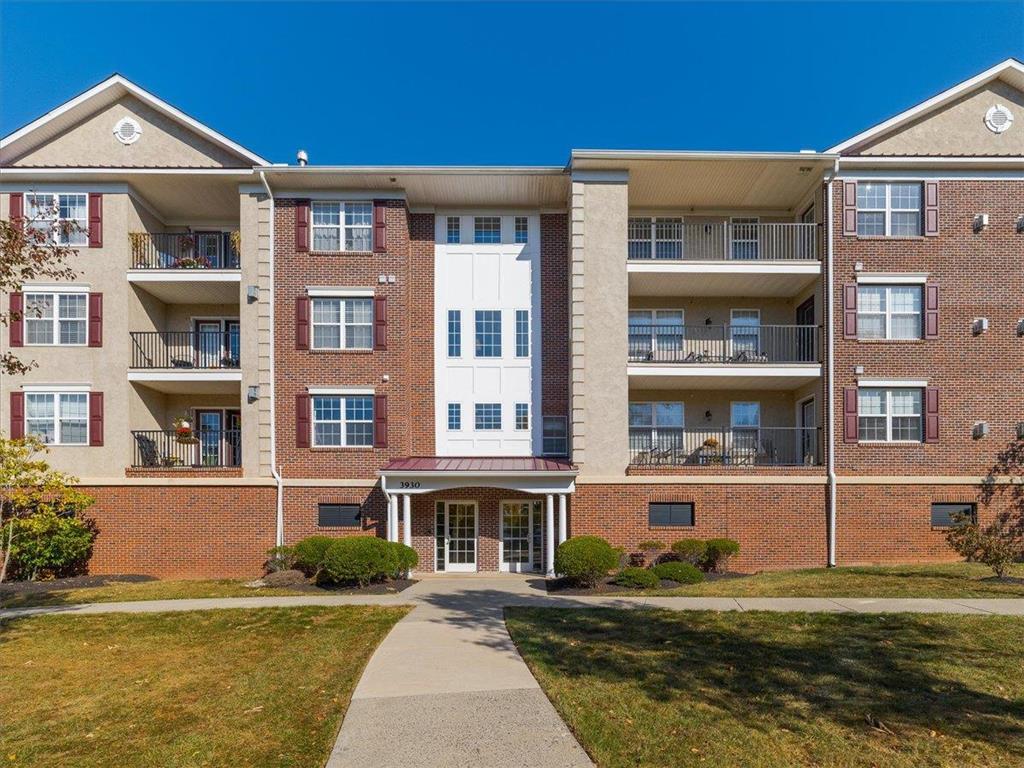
393, 518
563, 531
407, 520
550, 525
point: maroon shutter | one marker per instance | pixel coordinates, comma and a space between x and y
931, 414
850, 311
302, 322
17, 206
302, 420
931, 208
380, 226
17, 320
931, 311
17, 415
95, 418
95, 319
380, 421
95, 220
851, 428
302, 226
849, 207
380, 322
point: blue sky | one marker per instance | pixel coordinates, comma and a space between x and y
496, 83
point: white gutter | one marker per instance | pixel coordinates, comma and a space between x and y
274, 469
830, 325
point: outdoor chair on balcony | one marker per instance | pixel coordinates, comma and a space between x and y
177, 362
149, 456
746, 356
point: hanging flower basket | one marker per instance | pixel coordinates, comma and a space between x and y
184, 433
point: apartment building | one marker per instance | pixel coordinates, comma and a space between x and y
817, 353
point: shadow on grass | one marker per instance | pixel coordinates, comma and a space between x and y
780, 670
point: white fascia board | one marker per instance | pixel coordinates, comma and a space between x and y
184, 275
23, 170
339, 391
337, 290
421, 170
339, 194
690, 370
916, 383
600, 176
56, 387
55, 288
892, 278
191, 375
658, 154
66, 186
925, 106
661, 267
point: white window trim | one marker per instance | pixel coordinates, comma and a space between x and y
448, 230
341, 226
343, 394
653, 425
888, 210
57, 239
501, 418
340, 391
515, 333
515, 418
462, 335
501, 335
887, 316
888, 415
342, 325
501, 232
55, 320
56, 392
338, 292
892, 278
904, 383
448, 418
732, 420
652, 236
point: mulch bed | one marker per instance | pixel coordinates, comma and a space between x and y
608, 587
384, 588
72, 582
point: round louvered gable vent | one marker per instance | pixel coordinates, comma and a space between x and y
127, 130
998, 118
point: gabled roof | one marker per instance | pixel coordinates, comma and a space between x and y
1011, 70
84, 104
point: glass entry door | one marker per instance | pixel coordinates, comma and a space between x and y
460, 536
520, 526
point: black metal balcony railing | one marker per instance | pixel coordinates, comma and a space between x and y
738, 344
673, 240
167, 449
196, 250
185, 349
737, 446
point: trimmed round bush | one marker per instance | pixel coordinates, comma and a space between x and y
636, 578
585, 559
719, 552
406, 558
679, 572
360, 559
692, 551
280, 559
309, 554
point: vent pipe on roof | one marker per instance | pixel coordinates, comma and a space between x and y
302, 157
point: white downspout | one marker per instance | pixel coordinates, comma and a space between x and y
830, 325
274, 469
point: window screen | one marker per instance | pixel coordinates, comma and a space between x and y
674, 513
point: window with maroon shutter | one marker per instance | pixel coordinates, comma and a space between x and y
16, 206
16, 322
95, 418
380, 322
849, 208
95, 220
302, 225
95, 319
302, 420
851, 431
302, 322
380, 421
931, 208
931, 415
17, 415
931, 311
850, 311
380, 227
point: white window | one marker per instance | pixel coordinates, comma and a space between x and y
487, 229
745, 420
65, 217
745, 332
58, 418
522, 333
342, 323
656, 334
487, 416
655, 426
454, 417
342, 420
660, 238
745, 239
889, 414
889, 311
555, 441
522, 416
454, 333
488, 333
56, 318
454, 230
522, 229
888, 209
342, 226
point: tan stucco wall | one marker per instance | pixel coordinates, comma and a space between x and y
959, 128
163, 142
778, 408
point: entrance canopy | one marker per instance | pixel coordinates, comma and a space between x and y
529, 474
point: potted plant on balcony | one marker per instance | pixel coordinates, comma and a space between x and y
193, 262
183, 431
709, 451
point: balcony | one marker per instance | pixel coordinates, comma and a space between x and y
201, 362
725, 447
186, 268
730, 356
205, 449
667, 257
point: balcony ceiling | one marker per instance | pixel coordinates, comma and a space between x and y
712, 181
778, 280
188, 382
719, 377
189, 286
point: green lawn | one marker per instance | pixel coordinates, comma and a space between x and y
761, 689
266, 687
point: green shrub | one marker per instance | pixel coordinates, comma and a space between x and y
719, 552
406, 558
996, 545
692, 551
636, 578
50, 545
651, 546
280, 559
679, 572
360, 559
310, 552
585, 559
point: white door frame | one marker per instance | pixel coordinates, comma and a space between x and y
535, 518
449, 567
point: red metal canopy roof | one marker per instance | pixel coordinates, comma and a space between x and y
477, 464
